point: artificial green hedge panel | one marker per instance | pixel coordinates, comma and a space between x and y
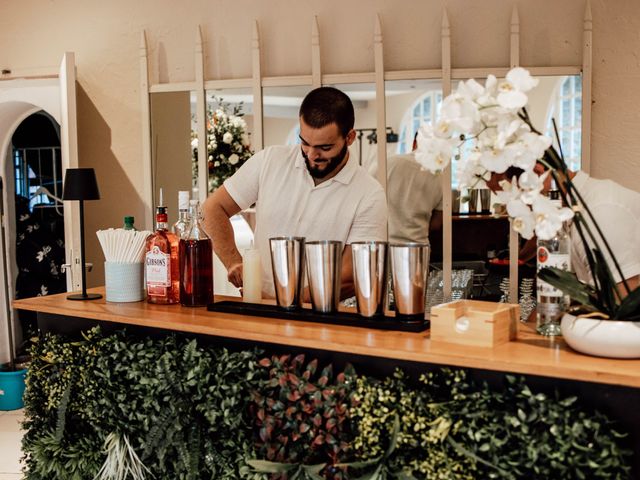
119, 406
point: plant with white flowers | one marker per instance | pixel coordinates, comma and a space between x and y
228, 145
492, 120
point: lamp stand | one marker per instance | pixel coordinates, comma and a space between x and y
84, 295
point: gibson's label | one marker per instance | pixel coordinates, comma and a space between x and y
158, 269
548, 259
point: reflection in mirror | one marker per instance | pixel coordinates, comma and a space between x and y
229, 127
482, 239
280, 112
363, 97
414, 194
173, 131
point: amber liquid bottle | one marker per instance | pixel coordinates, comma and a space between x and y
196, 263
161, 263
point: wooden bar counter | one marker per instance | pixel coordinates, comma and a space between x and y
530, 354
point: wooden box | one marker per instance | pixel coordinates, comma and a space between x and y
475, 323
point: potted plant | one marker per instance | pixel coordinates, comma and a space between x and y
494, 120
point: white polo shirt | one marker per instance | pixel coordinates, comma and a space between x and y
617, 211
349, 207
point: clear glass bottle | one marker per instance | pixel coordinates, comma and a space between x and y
556, 252
128, 223
196, 262
161, 262
180, 227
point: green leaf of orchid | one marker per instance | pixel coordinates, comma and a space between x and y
629, 309
568, 283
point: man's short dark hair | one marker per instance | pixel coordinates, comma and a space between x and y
326, 105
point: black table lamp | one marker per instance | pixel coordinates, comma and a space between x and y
80, 184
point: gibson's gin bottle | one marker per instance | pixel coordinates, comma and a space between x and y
556, 252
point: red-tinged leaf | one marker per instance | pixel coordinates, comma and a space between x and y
340, 378
293, 379
270, 402
331, 422
294, 395
323, 380
317, 420
310, 388
307, 408
295, 436
284, 359
312, 366
265, 362
260, 414
327, 371
298, 360
327, 393
304, 427
306, 374
341, 409
329, 412
291, 410
330, 439
264, 434
319, 440
271, 453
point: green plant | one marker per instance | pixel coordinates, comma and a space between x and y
301, 417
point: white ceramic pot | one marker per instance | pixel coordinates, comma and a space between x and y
603, 338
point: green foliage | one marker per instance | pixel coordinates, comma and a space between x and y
186, 411
301, 416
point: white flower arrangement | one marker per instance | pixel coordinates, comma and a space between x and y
228, 145
494, 120
491, 119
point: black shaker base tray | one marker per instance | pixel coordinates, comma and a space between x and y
378, 322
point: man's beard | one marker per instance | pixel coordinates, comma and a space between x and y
332, 163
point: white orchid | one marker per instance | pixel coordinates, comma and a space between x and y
227, 137
234, 159
490, 120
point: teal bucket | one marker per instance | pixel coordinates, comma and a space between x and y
12, 389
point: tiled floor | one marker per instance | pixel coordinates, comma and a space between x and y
10, 438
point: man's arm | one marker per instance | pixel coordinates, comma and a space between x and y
633, 283
217, 210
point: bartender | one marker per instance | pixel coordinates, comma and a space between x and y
313, 190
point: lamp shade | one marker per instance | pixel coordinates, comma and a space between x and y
80, 184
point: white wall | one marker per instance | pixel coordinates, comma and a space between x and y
106, 35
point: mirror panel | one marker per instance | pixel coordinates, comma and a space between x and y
280, 112
237, 102
413, 193
173, 132
363, 97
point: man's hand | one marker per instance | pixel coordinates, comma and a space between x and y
234, 274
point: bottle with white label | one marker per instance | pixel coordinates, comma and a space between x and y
180, 227
556, 252
161, 262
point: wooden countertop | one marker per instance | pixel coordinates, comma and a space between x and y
530, 354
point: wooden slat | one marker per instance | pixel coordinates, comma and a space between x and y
530, 354
447, 225
316, 65
173, 87
513, 235
290, 81
587, 60
201, 117
336, 78
427, 74
257, 140
381, 112
145, 115
228, 83
515, 38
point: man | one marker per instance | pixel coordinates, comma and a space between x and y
616, 210
415, 199
313, 190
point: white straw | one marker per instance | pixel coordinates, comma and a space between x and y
123, 246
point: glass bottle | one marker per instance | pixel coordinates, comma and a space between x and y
180, 227
196, 262
552, 303
128, 223
161, 262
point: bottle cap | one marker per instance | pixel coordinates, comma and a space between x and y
183, 200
